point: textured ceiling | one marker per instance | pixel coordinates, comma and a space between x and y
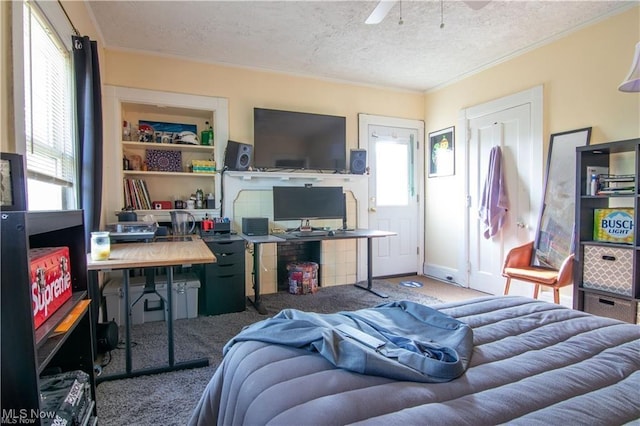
329, 39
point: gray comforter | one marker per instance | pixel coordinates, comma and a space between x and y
533, 363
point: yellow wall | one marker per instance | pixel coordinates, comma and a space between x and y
580, 74
247, 89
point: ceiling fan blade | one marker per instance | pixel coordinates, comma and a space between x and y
380, 11
477, 4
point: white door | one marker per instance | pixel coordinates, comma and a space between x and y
393, 198
511, 129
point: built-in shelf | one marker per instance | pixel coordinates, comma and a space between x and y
168, 146
174, 174
164, 215
133, 105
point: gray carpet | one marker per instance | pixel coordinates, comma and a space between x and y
169, 398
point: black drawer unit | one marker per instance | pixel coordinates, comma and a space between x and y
222, 286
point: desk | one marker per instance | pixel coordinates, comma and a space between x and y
150, 255
369, 234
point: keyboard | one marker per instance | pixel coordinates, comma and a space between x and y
289, 236
310, 233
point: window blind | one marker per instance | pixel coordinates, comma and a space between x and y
50, 149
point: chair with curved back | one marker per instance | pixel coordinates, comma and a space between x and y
517, 266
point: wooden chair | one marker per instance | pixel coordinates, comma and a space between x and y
517, 265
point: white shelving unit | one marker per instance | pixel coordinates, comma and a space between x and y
128, 104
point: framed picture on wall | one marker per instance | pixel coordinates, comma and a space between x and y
13, 195
442, 152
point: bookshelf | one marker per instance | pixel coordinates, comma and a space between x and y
64, 341
173, 170
607, 273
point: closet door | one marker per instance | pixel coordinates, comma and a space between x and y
510, 129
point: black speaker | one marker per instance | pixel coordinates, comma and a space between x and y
358, 161
238, 156
255, 226
107, 334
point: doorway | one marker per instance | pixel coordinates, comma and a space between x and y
394, 202
513, 123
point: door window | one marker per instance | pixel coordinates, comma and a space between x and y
393, 171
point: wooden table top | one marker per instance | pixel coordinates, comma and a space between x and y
143, 255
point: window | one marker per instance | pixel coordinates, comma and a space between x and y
49, 143
393, 170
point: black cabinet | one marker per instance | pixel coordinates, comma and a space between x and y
607, 273
29, 353
222, 284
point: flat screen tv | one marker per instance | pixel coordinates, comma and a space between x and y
307, 202
298, 140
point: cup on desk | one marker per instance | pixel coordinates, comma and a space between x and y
206, 224
100, 246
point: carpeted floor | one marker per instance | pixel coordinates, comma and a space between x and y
169, 398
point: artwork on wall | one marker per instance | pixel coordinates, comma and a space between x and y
442, 152
555, 237
12, 183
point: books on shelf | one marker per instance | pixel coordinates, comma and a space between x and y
616, 184
136, 194
622, 190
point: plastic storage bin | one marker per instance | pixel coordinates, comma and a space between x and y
151, 306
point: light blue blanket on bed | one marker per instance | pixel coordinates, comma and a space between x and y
421, 344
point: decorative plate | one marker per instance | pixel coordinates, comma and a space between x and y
163, 161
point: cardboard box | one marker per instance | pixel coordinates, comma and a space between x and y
50, 281
613, 225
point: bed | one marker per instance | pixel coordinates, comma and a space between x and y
532, 362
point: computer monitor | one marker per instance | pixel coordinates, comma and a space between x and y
307, 202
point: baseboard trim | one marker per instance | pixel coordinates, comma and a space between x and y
442, 273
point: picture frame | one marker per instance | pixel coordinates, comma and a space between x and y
442, 152
13, 189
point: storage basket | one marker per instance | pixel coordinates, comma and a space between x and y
611, 307
608, 268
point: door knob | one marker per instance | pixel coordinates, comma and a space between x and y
373, 209
521, 225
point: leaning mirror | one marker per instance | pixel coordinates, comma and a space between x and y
555, 237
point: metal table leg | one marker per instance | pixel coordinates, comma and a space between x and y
370, 272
